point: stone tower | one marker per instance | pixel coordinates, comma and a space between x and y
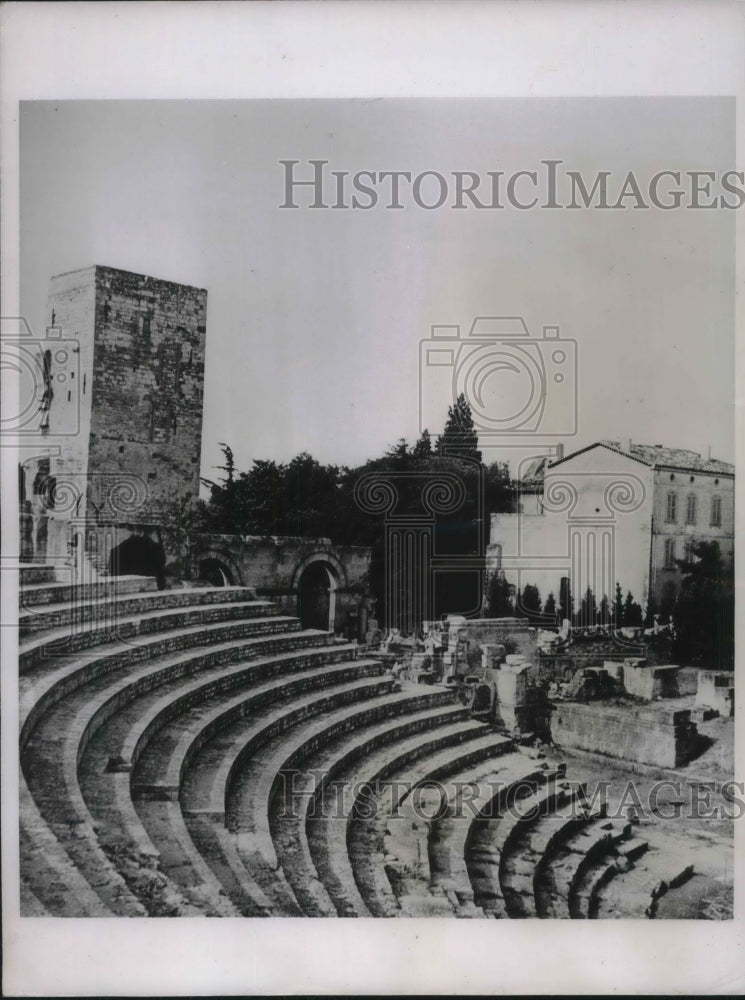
120, 405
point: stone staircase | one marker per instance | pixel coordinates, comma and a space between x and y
195, 752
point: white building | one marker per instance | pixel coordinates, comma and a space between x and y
610, 513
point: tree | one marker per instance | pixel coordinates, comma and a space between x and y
459, 439
549, 608
704, 614
587, 609
633, 616
422, 450
566, 601
499, 600
618, 618
604, 611
529, 602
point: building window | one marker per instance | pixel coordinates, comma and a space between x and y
691, 509
672, 508
669, 553
688, 551
716, 512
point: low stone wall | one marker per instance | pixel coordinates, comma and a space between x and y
651, 734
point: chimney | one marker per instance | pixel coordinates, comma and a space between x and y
630, 445
708, 453
559, 452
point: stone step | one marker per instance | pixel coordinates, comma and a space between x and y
261, 794
515, 873
184, 866
635, 893
476, 794
418, 859
340, 795
562, 871
526, 871
59, 643
40, 693
583, 899
49, 872
51, 761
214, 843
367, 834
35, 594
204, 707
327, 805
30, 573
207, 777
75, 614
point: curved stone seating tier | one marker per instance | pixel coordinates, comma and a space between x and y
363, 839
63, 861
49, 872
41, 688
205, 784
31, 906
35, 594
508, 835
206, 710
494, 831
64, 641
472, 796
524, 872
37, 619
127, 734
583, 898
560, 874
394, 839
323, 804
348, 775
58, 727
635, 892
264, 805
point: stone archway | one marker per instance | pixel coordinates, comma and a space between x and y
215, 572
138, 555
218, 568
315, 583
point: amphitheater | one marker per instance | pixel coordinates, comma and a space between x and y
195, 752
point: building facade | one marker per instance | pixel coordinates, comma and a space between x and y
614, 513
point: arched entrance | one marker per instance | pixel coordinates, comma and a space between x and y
316, 596
138, 555
216, 573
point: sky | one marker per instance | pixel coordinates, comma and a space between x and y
315, 317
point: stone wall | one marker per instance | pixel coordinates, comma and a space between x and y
274, 565
148, 384
653, 734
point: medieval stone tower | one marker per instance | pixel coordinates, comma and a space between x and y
120, 405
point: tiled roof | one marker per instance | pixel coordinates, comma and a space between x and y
657, 456
653, 455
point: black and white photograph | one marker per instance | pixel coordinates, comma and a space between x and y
369, 508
